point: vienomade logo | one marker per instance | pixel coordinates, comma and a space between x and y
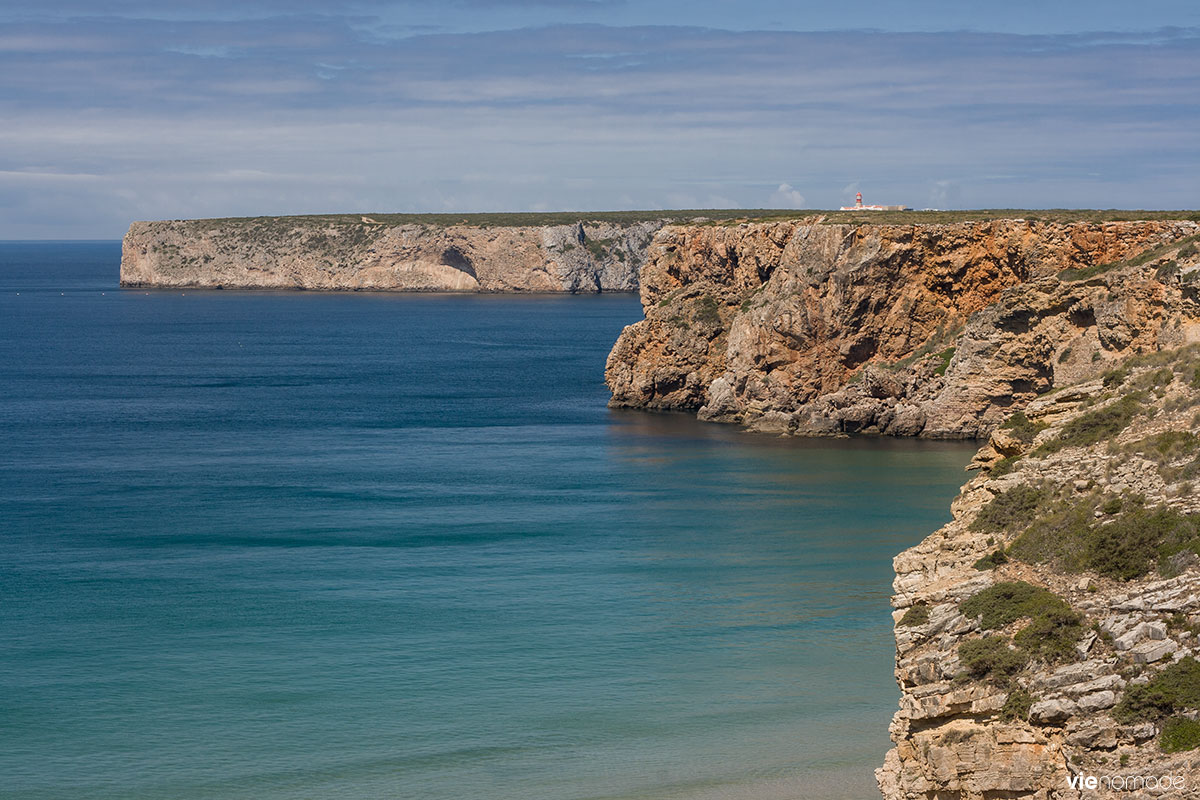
1128, 783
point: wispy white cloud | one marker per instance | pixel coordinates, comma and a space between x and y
309, 115
41, 176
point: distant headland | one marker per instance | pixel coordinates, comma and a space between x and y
565, 251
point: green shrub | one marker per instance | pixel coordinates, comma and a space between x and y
1011, 511
1174, 689
598, 248
1187, 251
708, 310
1179, 734
1058, 535
1155, 379
1167, 270
1133, 261
991, 560
1023, 428
1115, 377
1002, 603
1053, 627
1131, 545
1051, 636
945, 356
1016, 706
1003, 466
1180, 358
1094, 426
915, 616
990, 658
1188, 472
1167, 446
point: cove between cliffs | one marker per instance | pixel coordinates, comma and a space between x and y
943, 331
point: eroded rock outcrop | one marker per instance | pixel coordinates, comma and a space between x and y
935, 330
1048, 634
338, 254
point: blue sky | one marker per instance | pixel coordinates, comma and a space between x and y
137, 110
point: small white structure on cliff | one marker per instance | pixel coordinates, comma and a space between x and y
858, 206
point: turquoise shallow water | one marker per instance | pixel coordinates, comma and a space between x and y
367, 546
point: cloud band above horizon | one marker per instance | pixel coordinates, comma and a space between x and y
112, 120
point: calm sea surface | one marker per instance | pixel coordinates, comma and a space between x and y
384, 546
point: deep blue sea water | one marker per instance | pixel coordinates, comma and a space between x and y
269, 545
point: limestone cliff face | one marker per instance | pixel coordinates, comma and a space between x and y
307, 253
809, 328
1079, 661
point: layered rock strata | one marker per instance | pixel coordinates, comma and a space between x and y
933, 330
1047, 636
332, 254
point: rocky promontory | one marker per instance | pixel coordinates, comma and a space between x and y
377, 254
938, 330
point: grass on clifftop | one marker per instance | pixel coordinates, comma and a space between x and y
989, 214
507, 219
713, 216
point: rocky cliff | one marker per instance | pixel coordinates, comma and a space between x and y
1046, 638
910, 329
336, 253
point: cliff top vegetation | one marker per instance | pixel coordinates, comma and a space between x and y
725, 216
501, 219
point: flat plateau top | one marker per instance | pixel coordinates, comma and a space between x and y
712, 216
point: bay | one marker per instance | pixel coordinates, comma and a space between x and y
298, 545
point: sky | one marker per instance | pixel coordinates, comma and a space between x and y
130, 109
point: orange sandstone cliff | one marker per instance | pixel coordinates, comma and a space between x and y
935, 330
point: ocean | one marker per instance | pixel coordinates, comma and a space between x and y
299, 545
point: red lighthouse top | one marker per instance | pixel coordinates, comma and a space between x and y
858, 199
